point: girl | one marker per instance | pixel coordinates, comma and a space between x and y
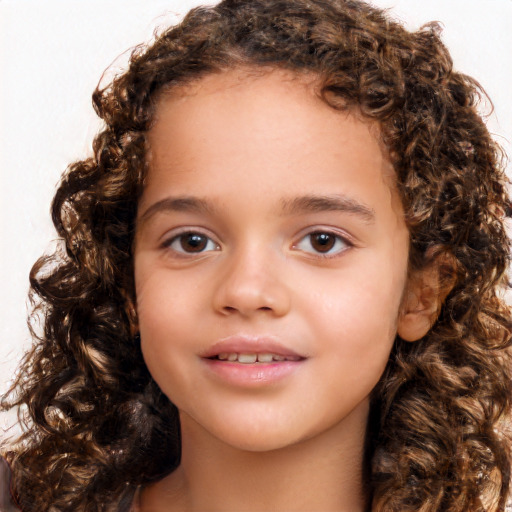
280, 280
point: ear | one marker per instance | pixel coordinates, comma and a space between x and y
425, 293
131, 313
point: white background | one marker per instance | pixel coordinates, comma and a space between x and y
52, 54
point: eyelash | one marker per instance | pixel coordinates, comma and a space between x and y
175, 243
179, 238
333, 236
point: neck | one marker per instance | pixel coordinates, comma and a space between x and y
322, 473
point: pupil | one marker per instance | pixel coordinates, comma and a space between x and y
322, 242
192, 242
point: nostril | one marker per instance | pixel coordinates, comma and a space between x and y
231, 309
251, 297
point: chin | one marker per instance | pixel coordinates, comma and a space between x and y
264, 442
252, 434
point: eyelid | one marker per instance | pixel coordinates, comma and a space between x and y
337, 233
173, 234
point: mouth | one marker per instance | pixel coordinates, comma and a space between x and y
250, 350
252, 358
246, 361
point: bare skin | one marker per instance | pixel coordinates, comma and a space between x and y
269, 228
213, 477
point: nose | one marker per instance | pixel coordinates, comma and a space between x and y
250, 284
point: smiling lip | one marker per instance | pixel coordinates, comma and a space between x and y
244, 370
250, 345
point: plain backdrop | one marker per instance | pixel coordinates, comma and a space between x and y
52, 54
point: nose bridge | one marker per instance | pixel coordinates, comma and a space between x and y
252, 281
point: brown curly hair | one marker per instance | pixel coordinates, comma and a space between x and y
96, 424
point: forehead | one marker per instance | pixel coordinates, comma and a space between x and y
270, 122
253, 89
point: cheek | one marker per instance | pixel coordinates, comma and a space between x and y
356, 351
164, 296
165, 310
365, 295
355, 316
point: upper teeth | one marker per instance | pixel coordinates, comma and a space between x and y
252, 358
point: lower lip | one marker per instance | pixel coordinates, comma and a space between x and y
252, 375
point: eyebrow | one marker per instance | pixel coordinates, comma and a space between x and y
296, 205
178, 204
321, 203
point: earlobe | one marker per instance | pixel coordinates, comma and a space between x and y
417, 315
422, 301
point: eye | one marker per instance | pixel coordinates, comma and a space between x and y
323, 242
191, 242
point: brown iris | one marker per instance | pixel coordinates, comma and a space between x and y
193, 242
322, 242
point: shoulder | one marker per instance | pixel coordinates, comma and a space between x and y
130, 502
135, 507
6, 501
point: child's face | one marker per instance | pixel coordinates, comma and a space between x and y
269, 226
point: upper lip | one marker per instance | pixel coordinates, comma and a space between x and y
242, 344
